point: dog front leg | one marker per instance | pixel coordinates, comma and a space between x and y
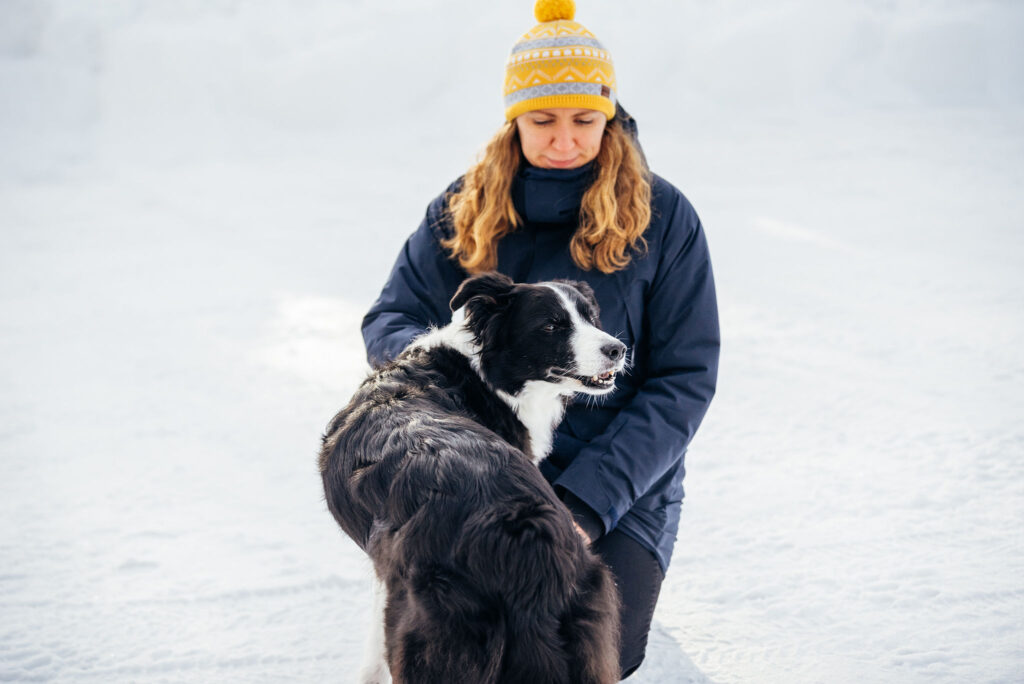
375, 663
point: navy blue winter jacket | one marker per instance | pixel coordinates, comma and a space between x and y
621, 461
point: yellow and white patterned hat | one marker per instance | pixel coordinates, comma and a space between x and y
558, 63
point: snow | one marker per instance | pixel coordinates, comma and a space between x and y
198, 200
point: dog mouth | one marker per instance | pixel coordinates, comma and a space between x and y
603, 381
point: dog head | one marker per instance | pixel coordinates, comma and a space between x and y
546, 332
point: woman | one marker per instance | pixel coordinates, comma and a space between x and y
563, 192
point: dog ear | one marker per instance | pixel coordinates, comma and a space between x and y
488, 287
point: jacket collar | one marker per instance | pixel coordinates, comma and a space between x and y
550, 196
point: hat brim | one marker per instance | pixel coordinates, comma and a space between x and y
576, 101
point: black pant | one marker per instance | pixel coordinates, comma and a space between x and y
639, 578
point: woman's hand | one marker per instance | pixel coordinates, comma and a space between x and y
586, 537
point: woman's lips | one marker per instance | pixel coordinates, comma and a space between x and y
562, 163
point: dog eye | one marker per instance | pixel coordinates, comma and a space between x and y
549, 328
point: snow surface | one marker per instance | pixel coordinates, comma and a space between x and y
199, 198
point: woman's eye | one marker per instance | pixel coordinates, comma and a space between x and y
541, 123
584, 122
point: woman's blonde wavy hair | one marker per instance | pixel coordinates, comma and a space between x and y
614, 213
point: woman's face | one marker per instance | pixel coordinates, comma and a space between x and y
561, 138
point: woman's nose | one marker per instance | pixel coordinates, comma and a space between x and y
563, 140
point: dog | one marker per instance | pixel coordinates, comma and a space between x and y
431, 469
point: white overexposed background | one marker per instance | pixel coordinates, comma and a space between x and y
200, 198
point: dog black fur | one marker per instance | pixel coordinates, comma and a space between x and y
429, 470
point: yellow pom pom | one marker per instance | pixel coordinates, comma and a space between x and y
554, 10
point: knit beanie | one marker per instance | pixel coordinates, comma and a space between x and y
558, 63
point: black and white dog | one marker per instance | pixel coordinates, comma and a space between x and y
431, 470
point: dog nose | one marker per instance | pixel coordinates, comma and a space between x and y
614, 350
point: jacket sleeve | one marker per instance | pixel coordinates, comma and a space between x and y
416, 295
651, 433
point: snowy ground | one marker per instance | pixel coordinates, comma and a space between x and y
199, 200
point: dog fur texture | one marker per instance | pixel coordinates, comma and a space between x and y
431, 470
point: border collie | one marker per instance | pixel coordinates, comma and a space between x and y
431, 470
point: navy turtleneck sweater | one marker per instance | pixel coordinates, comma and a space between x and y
621, 461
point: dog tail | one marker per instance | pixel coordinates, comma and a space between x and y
591, 627
560, 603
445, 629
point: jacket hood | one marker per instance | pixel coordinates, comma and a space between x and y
629, 124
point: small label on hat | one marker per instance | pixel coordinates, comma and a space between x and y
605, 91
